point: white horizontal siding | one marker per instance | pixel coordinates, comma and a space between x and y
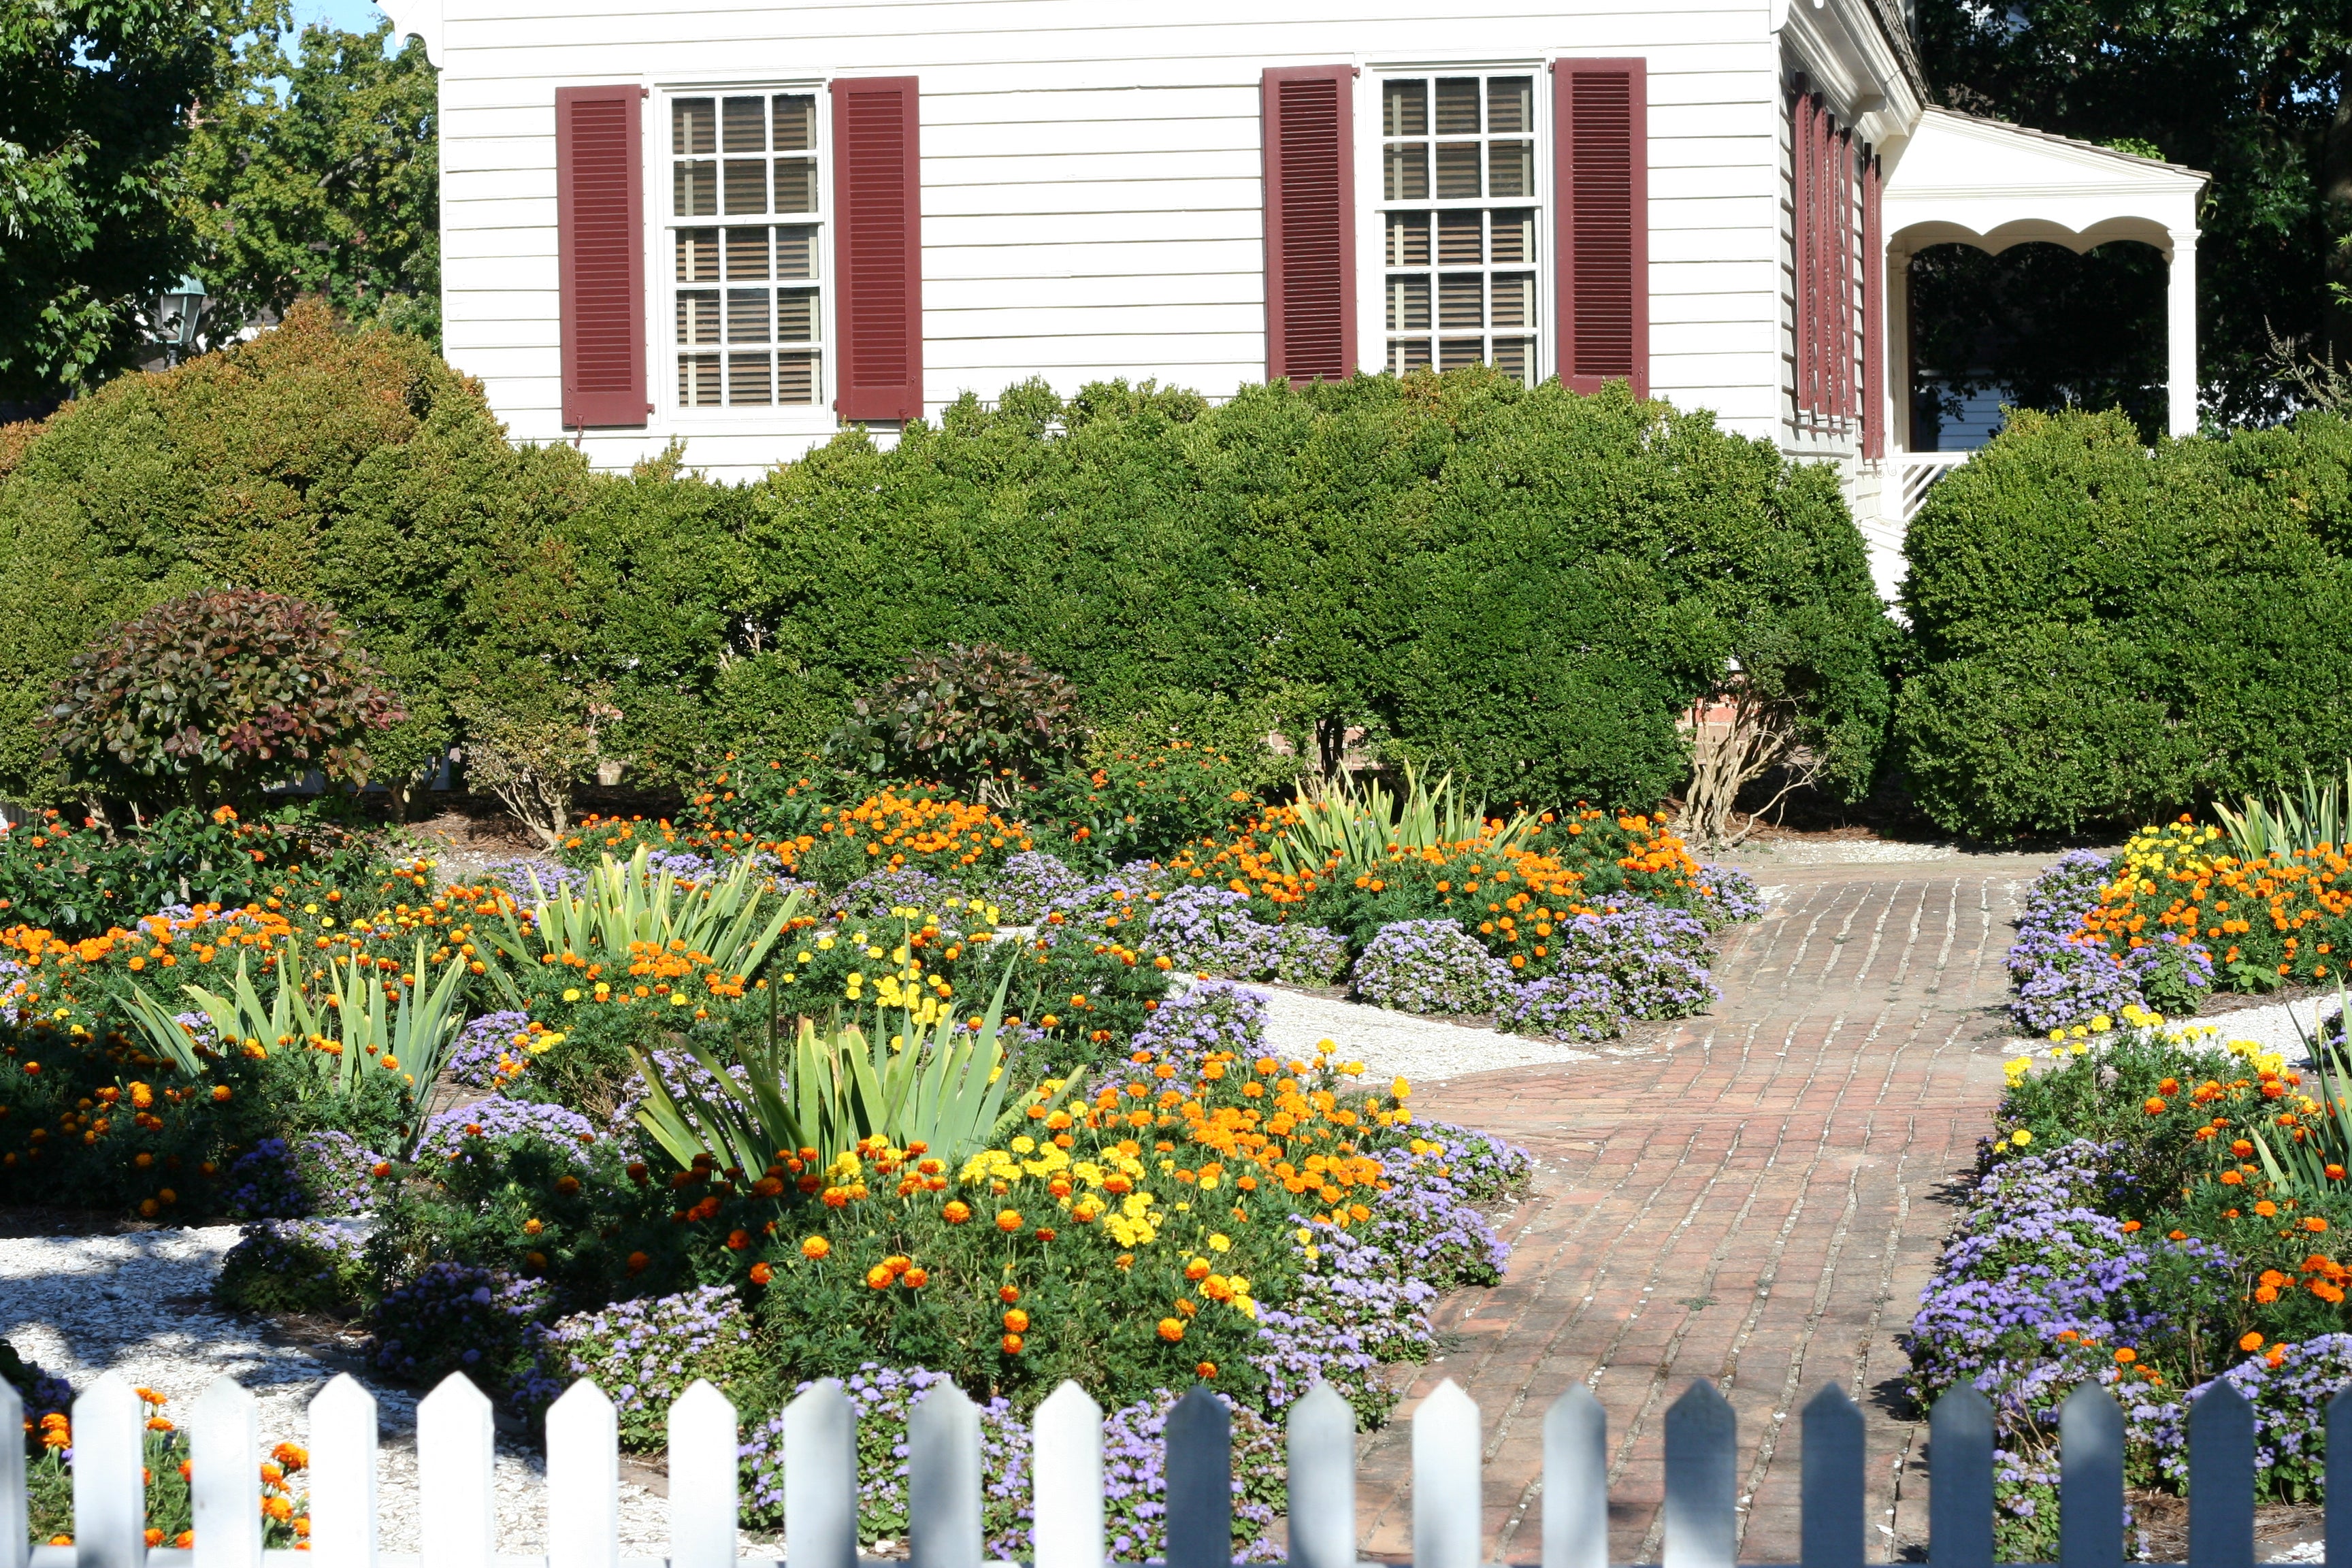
1092, 200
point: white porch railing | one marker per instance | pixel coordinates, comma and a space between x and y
1913, 473
458, 1519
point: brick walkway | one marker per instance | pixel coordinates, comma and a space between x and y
1755, 1201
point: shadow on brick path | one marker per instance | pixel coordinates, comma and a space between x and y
1756, 1198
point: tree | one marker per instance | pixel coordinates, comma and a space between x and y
321, 180
96, 101
2251, 89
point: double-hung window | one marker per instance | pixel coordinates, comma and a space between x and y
1461, 210
746, 223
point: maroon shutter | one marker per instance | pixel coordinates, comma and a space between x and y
1806, 192
600, 255
1841, 194
1600, 172
1874, 317
877, 248
1310, 222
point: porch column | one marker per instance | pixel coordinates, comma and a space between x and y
2180, 336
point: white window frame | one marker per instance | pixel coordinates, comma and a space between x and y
814, 418
1373, 205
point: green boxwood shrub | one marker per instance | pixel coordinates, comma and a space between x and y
2107, 634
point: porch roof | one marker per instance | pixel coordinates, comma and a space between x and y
1961, 180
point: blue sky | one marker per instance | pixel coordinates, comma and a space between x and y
352, 16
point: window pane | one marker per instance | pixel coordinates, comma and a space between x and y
1514, 295
796, 184
1510, 168
748, 379
698, 255
693, 126
1511, 106
796, 377
1408, 172
795, 122
695, 190
1404, 109
1453, 354
796, 318
1408, 240
1515, 236
1407, 304
745, 125
747, 315
1516, 357
747, 253
1457, 239
1412, 354
1457, 106
697, 381
747, 185
1457, 171
697, 317
796, 251
1459, 305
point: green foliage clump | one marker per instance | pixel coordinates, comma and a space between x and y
2106, 633
215, 696
981, 718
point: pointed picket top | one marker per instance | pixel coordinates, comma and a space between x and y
703, 1501
2339, 1479
2090, 1479
1702, 1489
342, 1475
1065, 1446
1576, 1482
457, 1443
821, 1477
2221, 1477
944, 1480
1200, 1436
109, 1504
1322, 1483
1447, 1490
1959, 1480
584, 1480
16, 1509
224, 1476
1831, 1485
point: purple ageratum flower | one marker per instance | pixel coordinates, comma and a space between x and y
2064, 976
456, 1316
2290, 1403
515, 876
645, 1352
1209, 930
1563, 1007
483, 1045
872, 897
1732, 894
496, 1119
326, 1173
1031, 885
1211, 1016
1652, 961
1431, 966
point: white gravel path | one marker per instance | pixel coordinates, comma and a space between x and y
141, 1305
1423, 1049
2278, 1026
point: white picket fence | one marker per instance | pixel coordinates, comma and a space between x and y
457, 1518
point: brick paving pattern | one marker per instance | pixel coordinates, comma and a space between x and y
1757, 1200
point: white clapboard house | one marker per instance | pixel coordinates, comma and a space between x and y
748, 223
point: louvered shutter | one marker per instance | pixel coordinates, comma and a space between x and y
1873, 316
877, 248
1804, 186
1310, 222
600, 255
1600, 172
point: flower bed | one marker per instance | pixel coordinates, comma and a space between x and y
2152, 1212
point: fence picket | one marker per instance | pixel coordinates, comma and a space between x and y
1200, 1482
943, 1480
1576, 1482
15, 1507
456, 1450
2221, 1479
584, 1480
224, 1476
1831, 1522
111, 1517
703, 1486
342, 1475
1959, 1480
1448, 1493
1068, 1491
2339, 1479
2090, 1479
821, 1478
1702, 1487
1321, 1440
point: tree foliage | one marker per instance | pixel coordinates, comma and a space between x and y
2250, 89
